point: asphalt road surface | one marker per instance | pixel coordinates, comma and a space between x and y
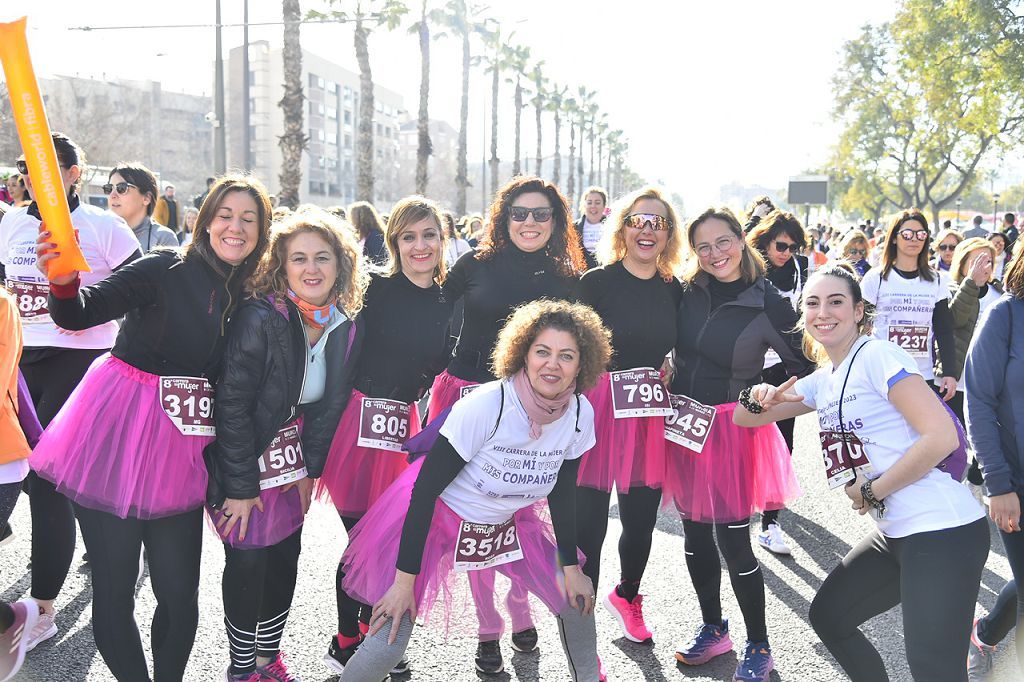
821, 526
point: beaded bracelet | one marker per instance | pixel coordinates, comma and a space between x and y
749, 403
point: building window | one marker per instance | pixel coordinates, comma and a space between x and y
348, 117
334, 190
387, 131
332, 113
332, 138
252, 78
332, 87
312, 80
348, 141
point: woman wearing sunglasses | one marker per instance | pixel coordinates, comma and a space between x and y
729, 317
55, 358
854, 250
912, 301
131, 191
127, 447
529, 251
945, 244
637, 295
778, 238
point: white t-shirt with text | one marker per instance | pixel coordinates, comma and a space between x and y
508, 471
592, 233
934, 502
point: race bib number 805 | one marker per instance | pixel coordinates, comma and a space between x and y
383, 424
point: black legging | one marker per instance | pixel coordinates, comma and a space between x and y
786, 427
350, 611
173, 546
51, 376
257, 587
1009, 609
744, 572
934, 575
638, 512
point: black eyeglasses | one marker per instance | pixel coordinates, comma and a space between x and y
947, 247
520, 213
857, 252
120, 187
783, 247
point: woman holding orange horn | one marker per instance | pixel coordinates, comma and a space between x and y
54, 358
136, 476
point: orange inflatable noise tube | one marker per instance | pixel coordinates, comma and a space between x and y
37, 144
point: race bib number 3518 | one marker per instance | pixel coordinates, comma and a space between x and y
638, 393
482, 545
188, 403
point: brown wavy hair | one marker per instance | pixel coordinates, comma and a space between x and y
612, 247
751, 261
226, 184
776, 223
528, 320
407, 211
842, 270
365, 219
563, 247
1013, 277
353, 277
888, 261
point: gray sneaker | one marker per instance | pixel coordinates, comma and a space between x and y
979, 658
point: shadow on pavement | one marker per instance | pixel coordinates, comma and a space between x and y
645, 658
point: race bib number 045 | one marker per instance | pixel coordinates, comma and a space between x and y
188, 403
639, 393
911, 338
482, 545
690, 423
282, 463
383, 424
31, 299
843, 454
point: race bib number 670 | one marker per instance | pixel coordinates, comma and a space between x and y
188, 403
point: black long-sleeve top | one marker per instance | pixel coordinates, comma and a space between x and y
641, 313
491, 289
442, 465
406, 338
724, 330
175, 310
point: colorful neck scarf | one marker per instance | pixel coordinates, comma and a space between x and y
540, 410
316, 316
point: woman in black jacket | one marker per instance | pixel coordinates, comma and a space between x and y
728, 319
286, 381
127, 447
369, 229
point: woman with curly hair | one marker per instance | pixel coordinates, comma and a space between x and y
405, 325
728, 319
530, 252
637, 295
287, 377
469, 505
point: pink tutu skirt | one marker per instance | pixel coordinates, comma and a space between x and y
281, 516
444, 392
354, 477
112, 448
443, 595
741, 471
629, 452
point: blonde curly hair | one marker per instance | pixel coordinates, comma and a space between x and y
527, 322
612, 247
353, 275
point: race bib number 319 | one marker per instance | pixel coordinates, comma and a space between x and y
383, 424
639, 393
482, 545
188, 403
690, 423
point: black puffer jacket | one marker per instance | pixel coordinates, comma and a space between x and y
259, 390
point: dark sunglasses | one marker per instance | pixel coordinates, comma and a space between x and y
857, 252
520, 213
783, 247
120, 187
947, 247
22, 166
639, 221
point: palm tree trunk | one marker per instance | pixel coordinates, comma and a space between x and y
608, 169
540, 133
424, 148
495, 82
516, 169
293, 141
572, 161
364, 141
590, 175
461, 172
556, 172
600, 160
583, 130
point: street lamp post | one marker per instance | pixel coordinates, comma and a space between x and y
995, 212
958, 203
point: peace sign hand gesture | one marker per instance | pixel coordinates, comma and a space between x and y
769, 396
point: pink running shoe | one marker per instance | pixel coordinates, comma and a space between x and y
602, 676
276, 671
14, 641
630, 616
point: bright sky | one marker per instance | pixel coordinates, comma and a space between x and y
708, 93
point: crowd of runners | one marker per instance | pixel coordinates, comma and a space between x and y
469, 391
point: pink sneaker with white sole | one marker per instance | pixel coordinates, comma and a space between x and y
630, 616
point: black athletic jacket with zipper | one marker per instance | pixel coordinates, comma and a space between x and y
720, 351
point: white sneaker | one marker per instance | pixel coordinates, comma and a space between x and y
774, 540
45, 629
